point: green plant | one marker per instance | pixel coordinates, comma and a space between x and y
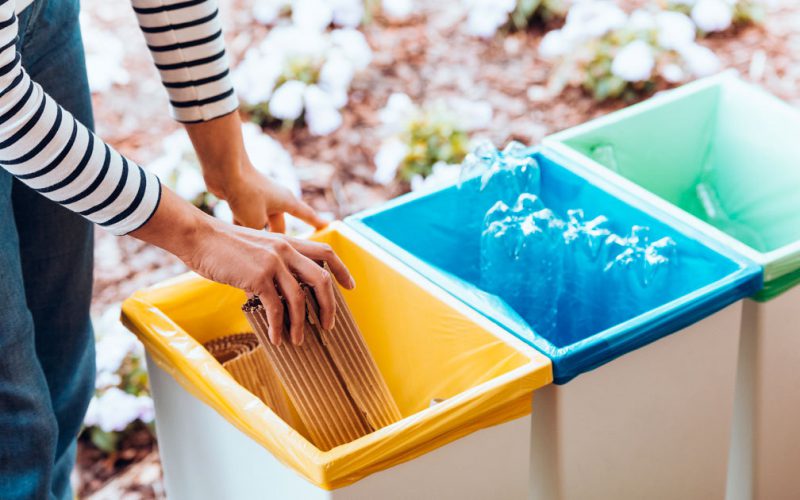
613, 55
121, 403
432, 138
718, 15
528, 12
419, 137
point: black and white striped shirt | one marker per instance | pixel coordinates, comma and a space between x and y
47, 149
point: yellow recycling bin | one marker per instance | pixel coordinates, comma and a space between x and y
219, 441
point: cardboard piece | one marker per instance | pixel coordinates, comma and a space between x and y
312, 383
355, 364
332, 379
247, 361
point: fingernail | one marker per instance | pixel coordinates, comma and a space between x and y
352, 283
298, 339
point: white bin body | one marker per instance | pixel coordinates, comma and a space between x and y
653, 424
764, 462
765, 453
207, 458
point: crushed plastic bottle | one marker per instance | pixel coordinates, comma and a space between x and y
542, 255
518, 160
584, 242
588, 237
500, 273
522, 259
710, 202
718, 216
639, 273
565, 279
504, 174
480, 159
527, 204
514, 172
659, 259
605, 155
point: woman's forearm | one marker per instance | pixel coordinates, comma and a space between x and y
220, 149
255, 200
175, 226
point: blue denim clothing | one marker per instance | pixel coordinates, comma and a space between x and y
46, 343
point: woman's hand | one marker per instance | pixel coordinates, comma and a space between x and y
255, 200
261, 263
265, 264
258, 202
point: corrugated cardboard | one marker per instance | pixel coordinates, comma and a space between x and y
312, 383
247, 361
355, 364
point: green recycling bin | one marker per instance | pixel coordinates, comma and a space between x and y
724, 156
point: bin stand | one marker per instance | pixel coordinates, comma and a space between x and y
652, 424
765, 452
206, 457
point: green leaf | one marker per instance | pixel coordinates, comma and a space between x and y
521, 17
609, 87
104, 441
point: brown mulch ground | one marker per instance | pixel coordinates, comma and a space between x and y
133, 472
427, 57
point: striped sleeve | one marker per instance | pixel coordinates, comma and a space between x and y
185, 39
46, 148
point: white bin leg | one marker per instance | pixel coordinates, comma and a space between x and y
765, 453
653, 424
206, 458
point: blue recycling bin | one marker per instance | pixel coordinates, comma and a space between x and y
652, 373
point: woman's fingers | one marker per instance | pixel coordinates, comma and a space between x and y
291, 262
321, 252
304, 212
277, 224
274, 309
295, 302
310, 272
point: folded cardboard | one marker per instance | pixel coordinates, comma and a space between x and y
331, 378
312, 383
246, 360
355, 364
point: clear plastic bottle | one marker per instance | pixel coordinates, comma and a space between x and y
497, 249
522, 259
526, 175
506, 174
583, 285
638, 277
478, 161
717, 215
605, 155
541, 257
